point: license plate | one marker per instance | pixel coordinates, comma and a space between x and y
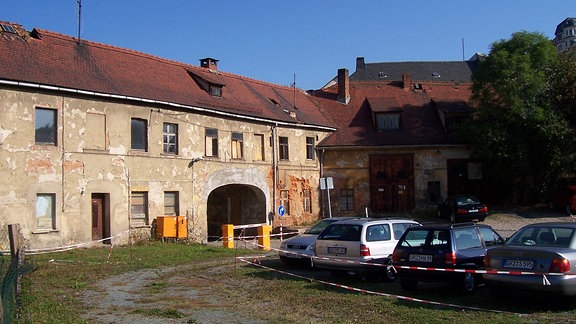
336, 250
519, 264
473, 211
420, 258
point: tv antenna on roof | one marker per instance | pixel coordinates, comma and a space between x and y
79, 20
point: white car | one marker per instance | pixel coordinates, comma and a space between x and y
300, 249
347, 245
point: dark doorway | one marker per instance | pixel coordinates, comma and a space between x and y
100, 218
237, 205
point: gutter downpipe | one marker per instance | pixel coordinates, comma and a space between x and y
321, 176
275, 173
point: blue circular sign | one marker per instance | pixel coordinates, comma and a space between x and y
281, 210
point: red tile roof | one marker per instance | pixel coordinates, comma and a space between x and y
47, 58
419, 120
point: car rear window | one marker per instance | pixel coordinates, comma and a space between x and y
467, 238
379, 232
542, 236
341, 232
426, 237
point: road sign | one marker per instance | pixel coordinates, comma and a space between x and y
281, 210
326, 183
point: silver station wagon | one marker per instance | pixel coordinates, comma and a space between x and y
345, 246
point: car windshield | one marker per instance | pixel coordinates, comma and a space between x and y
466, 200
542, 236
319, 227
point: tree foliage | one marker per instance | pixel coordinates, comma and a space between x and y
517, 132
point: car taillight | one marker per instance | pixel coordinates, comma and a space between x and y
483, 210
364, 250
450, 258
395, 257
559, 265
461, 211
487, 261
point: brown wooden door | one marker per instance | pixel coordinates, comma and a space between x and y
97, 217
391, 183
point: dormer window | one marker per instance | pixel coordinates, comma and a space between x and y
389, 120
215, 90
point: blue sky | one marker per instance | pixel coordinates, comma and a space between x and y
274, 41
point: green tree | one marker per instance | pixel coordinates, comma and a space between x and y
517, 133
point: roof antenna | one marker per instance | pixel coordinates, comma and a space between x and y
79, 20
294, 85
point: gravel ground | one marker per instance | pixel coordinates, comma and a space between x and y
204, 293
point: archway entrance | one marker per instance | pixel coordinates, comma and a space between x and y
235, 204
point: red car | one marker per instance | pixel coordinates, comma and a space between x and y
564, 199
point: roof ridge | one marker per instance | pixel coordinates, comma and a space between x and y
158, 58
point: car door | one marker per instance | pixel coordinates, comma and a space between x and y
379, 239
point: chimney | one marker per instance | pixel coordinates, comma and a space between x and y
405, 81
360, 64
343, 86
209, 63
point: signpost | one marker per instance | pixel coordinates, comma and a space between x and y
281, 212
327, 184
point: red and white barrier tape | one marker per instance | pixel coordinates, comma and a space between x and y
70, 247
418, 300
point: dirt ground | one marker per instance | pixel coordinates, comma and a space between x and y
207, 293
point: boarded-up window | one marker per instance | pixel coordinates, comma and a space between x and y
138, 208
307, 200
171, 203
45, 211
285, 201
95, 131
259, 147
237, 146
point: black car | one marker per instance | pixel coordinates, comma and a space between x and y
445, 246
460, 208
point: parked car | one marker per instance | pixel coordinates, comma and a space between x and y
343, 246
540, 248
460, 208
299, 249
446, 246
564, 199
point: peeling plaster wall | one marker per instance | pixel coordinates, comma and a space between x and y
93, 155
350, 169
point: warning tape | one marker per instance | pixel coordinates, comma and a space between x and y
71, 247
412, 299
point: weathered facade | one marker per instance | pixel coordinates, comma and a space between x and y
395, 149
96, 142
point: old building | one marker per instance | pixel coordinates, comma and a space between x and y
395, 149
97, 141
565, 34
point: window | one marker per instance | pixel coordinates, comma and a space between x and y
45, 124
139, 131
307, 200
170, 138
171, 203
95, 131
309, 148
346, 199
388, 121
215, 90
237, 146
258, 147
284, 200
283, 148
138, 208
45, 211
211, 142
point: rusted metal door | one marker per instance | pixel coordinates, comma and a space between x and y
391, 183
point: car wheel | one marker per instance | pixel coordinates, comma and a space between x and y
408, 284
390, 274
468, 283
